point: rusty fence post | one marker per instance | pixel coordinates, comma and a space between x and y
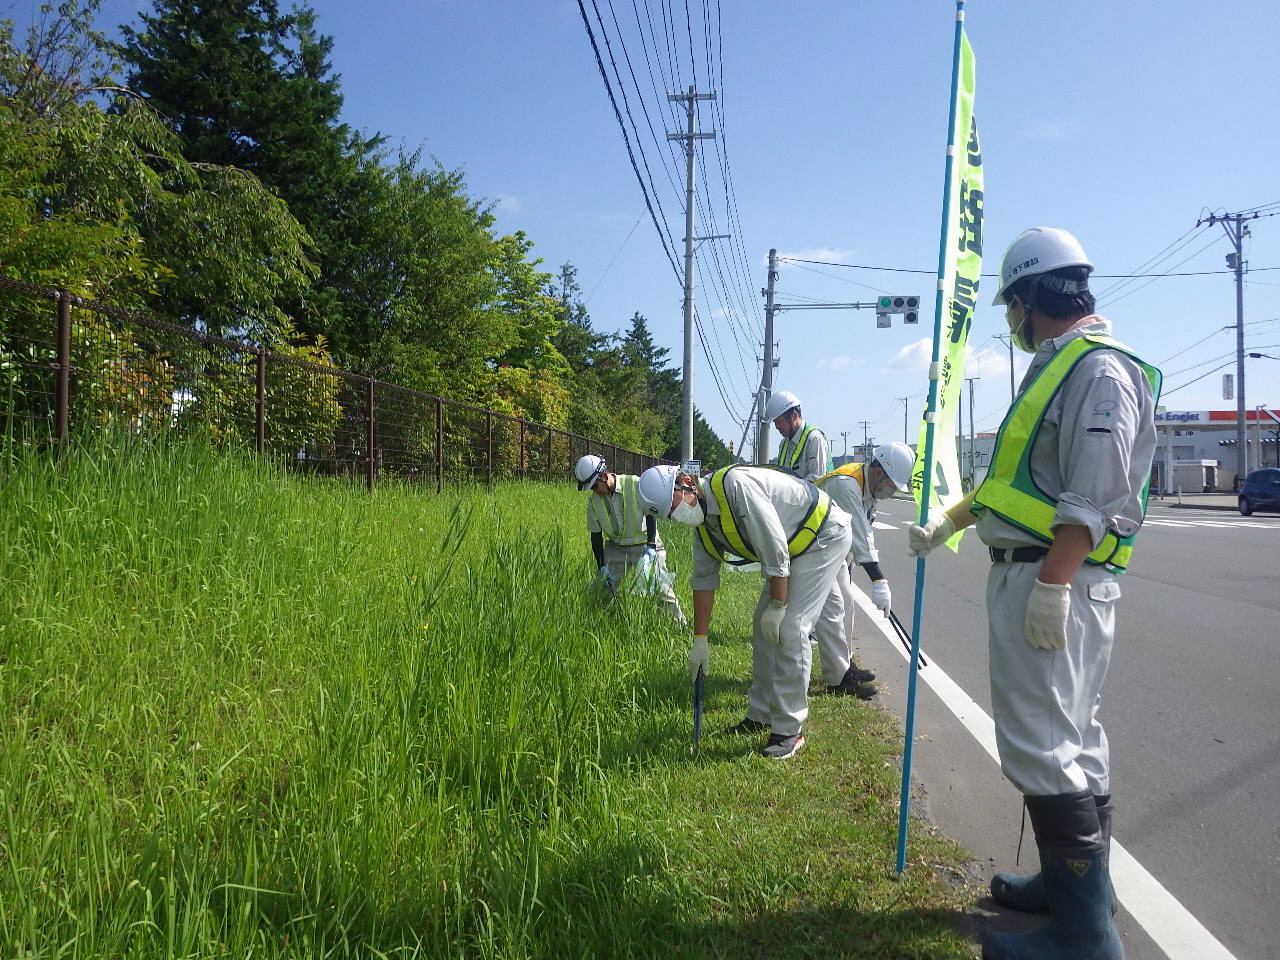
62, 392
370, 437
439, 445
488, 457
262, 400
550, 434
522, 441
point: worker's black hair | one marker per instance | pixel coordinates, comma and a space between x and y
1036, 295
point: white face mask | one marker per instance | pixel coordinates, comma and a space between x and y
1018, 331
690, 514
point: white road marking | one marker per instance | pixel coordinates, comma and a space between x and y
881, 525
1166, 921
1218, 524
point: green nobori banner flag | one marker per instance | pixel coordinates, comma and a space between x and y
959, 281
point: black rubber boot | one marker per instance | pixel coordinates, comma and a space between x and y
1026, 891
1077, 885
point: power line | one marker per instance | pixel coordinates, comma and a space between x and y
1101, 276
627, 140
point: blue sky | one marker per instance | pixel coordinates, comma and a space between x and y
1122, 121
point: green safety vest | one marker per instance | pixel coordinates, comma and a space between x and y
735, 549
632, 531
1009, 490
789, 452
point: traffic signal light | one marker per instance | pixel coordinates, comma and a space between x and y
909, 307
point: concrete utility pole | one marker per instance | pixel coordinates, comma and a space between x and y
845, 434
746, 427
905, 422
972, 460
691, 137
1236, 230
766, 374
1008, 339
866, 443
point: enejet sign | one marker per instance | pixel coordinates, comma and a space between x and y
1214, 417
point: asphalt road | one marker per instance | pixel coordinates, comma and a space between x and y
1191, 708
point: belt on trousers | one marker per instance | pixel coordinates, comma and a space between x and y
1017, 554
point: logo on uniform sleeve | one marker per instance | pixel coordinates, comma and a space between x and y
1103, 408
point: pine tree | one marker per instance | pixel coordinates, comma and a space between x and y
246, 86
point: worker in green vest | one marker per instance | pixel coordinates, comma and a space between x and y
856, 487
804, 450
624, 535
1063, 498
743, 514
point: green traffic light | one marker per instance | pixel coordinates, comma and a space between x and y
886, 302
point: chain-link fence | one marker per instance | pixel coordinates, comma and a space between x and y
70, 364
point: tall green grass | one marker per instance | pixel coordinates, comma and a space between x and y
253, 715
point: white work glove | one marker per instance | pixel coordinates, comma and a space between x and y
771, 621
699, 657
881, 596
1047, 611
920, 540
605, 576
646, 568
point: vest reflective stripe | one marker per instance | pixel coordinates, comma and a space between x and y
631, 533
844, 470
737, 545
1010, 492
789, 454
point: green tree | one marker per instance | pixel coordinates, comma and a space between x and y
245, 86
104, 203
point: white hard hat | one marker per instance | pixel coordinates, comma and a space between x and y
1039, 250
588, 470
658, 488
779, 404
897, 461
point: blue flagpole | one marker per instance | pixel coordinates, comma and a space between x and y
904, 808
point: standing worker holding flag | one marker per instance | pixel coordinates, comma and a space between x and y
1062, 501
804, 450
624, 536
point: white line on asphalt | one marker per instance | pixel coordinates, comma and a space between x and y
1166, 921
881, 525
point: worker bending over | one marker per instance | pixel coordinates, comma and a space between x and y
799, 537
1063, 498
624, 535
804, 451
856, 487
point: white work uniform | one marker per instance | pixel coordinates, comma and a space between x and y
815, 458
1092, 454
767, 507
834, 629
621, 519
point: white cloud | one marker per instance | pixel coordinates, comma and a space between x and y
508, 204
824, 254
914, 356
836, 364
1054, 131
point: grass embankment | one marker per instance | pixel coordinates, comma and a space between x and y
253, 715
